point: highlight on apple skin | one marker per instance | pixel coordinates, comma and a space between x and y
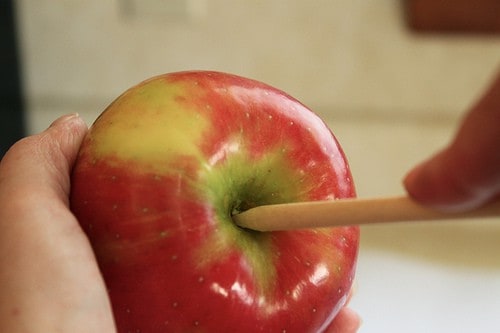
157, 179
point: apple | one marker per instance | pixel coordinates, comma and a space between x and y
157, 180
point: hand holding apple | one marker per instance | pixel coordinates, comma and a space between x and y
49, 278
157, 180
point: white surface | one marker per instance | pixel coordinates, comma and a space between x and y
430, 278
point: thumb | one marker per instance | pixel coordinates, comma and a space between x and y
44, 161
466, 174
49, 278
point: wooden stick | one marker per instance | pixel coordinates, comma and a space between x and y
344, 212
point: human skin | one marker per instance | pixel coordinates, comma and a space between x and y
466, 174
49, 278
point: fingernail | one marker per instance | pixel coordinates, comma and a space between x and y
411, 177
64, 119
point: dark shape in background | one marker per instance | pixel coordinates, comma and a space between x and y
454, 16
11, 97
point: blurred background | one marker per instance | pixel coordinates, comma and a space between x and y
392, 78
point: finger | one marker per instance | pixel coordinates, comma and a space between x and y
346, 321
43, 161
466, 174
34, 186
49, 280
34, 176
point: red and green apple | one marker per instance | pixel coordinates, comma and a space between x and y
157, 180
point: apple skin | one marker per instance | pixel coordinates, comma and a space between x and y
157, 179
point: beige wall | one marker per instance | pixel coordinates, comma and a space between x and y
341, 57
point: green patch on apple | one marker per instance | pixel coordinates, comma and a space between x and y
232, 187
